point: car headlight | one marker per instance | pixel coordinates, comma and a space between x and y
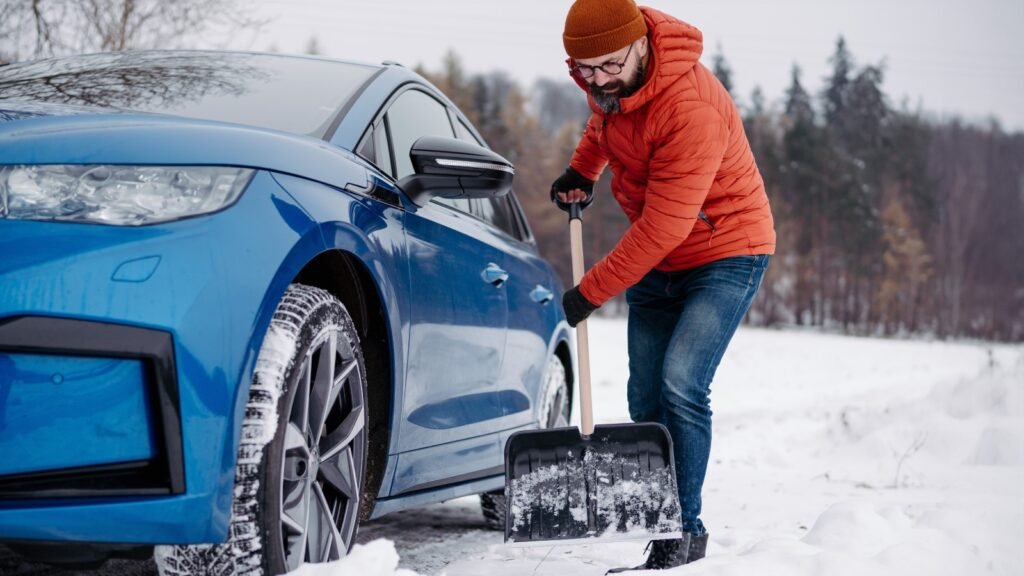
119, 195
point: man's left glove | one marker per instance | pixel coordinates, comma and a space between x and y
576, 306
572, 180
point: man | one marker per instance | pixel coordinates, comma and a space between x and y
701, 228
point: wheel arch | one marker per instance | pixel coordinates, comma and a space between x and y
346, 277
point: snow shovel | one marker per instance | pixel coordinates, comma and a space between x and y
608, 482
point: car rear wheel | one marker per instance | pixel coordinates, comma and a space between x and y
302, 457
554, 411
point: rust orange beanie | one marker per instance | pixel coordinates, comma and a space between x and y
597, 27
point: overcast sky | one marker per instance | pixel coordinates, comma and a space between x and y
950, 56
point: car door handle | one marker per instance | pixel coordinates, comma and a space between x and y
541, 295
494, 275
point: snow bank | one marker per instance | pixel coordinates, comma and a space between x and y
378, 558
858, 537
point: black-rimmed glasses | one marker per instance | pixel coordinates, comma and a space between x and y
611, 68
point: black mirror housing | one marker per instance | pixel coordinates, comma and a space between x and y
451, 168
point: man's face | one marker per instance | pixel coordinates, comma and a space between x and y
608, 87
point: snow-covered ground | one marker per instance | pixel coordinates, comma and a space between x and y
832, 456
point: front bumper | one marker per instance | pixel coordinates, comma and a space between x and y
170, 318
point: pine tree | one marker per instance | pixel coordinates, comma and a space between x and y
757, 107
799, 107
763, 133
802, 192
869, 153
855, 115
909, 139
721, 69
313, 46
837, 85
866, 152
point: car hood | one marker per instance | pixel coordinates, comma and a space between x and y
15, 110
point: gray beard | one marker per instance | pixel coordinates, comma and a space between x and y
609, 103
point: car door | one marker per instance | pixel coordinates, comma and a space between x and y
457, 315
531, 309
530, 295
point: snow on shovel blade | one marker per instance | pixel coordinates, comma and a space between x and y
618, 484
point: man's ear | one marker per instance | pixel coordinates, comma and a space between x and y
644, 45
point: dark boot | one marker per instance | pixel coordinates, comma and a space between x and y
664, 554
698, 547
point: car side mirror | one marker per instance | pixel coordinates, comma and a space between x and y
451, 168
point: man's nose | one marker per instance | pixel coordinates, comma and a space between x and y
601, 77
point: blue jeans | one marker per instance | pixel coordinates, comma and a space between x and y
679, 326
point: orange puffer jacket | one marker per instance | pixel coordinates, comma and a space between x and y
682, 168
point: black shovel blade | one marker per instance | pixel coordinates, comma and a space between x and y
618, 484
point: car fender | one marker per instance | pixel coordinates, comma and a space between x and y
358, 236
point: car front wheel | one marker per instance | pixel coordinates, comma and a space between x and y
302, 457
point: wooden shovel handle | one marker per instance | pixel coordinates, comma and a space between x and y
582, 340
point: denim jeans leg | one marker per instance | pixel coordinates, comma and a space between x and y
652, 319
714, 298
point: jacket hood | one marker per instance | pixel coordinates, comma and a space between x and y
675, 47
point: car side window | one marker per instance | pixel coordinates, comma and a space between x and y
413, 115
460, 204
374, 148
498, 213
464, 133
382, 149
366, 148
525, 234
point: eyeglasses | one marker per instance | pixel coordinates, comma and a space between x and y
611, 68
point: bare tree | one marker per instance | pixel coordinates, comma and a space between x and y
44, 28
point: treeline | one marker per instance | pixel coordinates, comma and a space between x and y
889, 221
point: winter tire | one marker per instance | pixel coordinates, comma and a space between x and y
555, 408
555, 405
302, 455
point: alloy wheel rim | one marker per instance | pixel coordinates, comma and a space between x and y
323, 454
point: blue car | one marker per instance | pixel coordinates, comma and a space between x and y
250, 300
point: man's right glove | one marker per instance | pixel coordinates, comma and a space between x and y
572, 180
576, 306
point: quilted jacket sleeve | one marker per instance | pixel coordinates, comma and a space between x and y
689, 143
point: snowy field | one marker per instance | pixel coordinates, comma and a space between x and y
832, 456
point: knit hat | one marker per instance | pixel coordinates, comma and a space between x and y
597, 27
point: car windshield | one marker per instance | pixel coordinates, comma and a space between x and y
294, 94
